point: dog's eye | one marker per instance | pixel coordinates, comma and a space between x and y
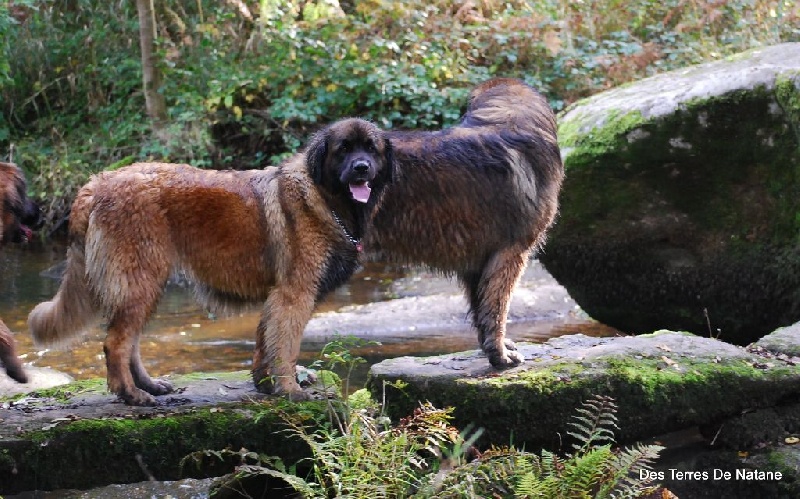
369, 147
344, 146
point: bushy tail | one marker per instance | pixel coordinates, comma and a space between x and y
72, 309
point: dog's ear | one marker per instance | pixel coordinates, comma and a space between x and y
315, 155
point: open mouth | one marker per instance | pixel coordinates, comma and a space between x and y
27, 233
360, 191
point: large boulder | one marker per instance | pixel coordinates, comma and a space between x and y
681, 206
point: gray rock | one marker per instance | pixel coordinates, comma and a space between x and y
785, 340
662, 382
38, 378
680, 209
104, 441
440, 309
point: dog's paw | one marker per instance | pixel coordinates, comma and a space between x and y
138, 397
505, 357
155, 386
159, 387
292, 391
305, 376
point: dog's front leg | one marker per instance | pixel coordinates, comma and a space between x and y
280, 331
8, 355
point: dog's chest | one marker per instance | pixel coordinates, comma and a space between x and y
339, 267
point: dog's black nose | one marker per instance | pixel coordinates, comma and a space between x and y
360, 166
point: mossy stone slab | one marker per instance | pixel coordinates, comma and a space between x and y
662, 382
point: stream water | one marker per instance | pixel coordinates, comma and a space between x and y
182, 338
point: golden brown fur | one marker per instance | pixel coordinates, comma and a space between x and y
476, 200
263, 235
16, 211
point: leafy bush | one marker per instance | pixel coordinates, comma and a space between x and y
246, 82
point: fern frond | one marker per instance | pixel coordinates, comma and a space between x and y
624, 481
594, 424
582, 473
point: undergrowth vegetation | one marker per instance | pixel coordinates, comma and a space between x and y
357, 451
246, 81
424, 456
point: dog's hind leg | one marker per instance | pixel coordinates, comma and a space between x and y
127, 376
128, 277
489, 294
120, 347
143, 380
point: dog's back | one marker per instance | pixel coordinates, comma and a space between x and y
130, 229
468, 191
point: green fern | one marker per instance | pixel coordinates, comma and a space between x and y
624, 469
595, 423
593, 471
584, 471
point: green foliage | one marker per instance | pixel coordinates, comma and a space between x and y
592, 471
360, 454
337, 355
246, 82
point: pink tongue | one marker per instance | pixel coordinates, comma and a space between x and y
27, 232
360, 192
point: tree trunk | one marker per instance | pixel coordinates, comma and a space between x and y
154, 100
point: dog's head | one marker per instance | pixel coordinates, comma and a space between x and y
352, 157
19, 215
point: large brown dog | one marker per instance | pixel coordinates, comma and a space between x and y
17, 214
284, 235
476, 200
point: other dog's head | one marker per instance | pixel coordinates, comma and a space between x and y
351, 157
18, 214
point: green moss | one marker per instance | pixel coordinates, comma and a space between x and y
655, 395
652, 173
105, 450
361, 399
583, 144
787, 92
63, 393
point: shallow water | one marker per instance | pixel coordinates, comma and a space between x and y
183, 338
